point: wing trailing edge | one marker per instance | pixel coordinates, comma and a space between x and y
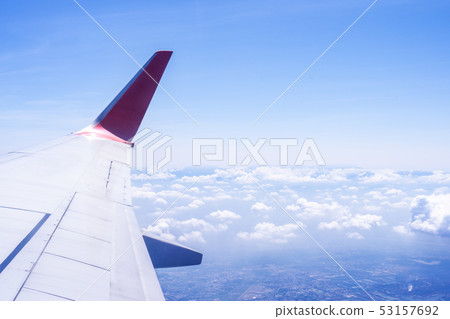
122, 117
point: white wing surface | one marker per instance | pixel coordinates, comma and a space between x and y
67, 227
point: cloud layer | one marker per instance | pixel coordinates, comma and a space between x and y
431, 214
253, 204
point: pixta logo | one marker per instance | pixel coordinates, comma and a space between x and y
146, 156
212, 149
151, 151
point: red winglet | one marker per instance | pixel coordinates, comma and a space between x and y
122, 117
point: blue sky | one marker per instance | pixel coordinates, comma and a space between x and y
379, 98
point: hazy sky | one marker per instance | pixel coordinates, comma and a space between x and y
379, 98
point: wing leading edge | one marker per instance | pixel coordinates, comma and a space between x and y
67, 226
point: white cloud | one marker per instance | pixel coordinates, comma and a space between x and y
167, 227
366, 221
379, 176
193, 236
428, 263
161, 201
178, 187
301, 174
312, 209
405, 203
217, 196
431, 214
402, 230
194, 190
376, 195
146, 191
333, 203
346, 197
173, 194
260, 207
162, 229
442, 190
394, 192
245, 178
372, 208
436, 177
292, 208
224, 215
143, 192
270, 232
288, 191
195, 223
198, 179
248, 197
196, 203
168, 236
354, 235
158, 175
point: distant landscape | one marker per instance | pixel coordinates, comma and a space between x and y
310, 279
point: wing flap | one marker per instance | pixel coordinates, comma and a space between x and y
16, 230
68, 279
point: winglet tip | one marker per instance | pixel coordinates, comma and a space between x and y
123, 116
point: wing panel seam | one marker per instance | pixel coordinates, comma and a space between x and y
22, 244
76, 260
83, 234
45, 247
47, 293
23, 209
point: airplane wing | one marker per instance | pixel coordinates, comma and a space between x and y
67, 226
